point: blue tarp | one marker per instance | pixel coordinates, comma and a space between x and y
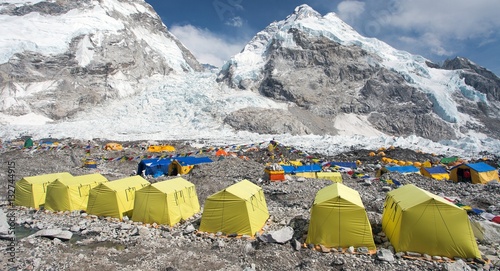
344, 164
481, 167
185, 161
155, 167
435, 170
300, 169
159, 166
403, 169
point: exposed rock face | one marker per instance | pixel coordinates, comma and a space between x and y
485, 82
329, 74
100, 64
257, 120
327, 78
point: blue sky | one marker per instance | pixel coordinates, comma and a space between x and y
436, 29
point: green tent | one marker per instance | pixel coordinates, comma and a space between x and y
447, 160
28, 143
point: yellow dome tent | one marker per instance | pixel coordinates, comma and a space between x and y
417, 220
31, 191
339, 219
161, 148
113, 147
72, 193
240, 208
166, 202
116, 198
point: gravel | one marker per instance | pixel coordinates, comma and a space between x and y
100, 243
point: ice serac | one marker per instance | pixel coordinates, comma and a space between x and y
61, 57
322, 66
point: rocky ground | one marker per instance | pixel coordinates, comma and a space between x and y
98, 243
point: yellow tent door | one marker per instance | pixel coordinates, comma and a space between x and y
416, 220
176, 168
31, 191
240, 208
115, 198
69, 194
166, 202
339, 219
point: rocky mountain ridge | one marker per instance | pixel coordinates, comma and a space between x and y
320, 64
107, 49
307, 74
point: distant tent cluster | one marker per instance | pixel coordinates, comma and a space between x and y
476, 173
276, 172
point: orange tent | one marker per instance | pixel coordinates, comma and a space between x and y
221, 152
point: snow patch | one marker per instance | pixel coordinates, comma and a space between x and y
47, 34
352, 124
30, 119
85, 51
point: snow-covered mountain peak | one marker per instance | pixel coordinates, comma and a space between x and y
308, 59
60, 57
302, 12
50, 28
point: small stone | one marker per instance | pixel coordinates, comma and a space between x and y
125, 226
386, 188
75, 228
219, 244
413, 254
189, 229
125, 219
339, 260
362, 250
56, 241
324, 249
385, 255
350, 250
83, 214
427, 257
296, 245
437, 258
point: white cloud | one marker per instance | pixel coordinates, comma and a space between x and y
349, 11
235, 21
206, 46
427, 41
448, 19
